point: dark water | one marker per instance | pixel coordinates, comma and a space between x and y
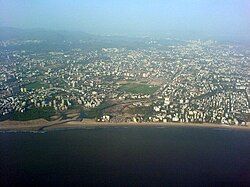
126, 156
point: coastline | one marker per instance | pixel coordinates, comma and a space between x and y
42, 125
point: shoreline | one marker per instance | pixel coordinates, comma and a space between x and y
45, 126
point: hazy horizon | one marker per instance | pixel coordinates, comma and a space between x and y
155, 18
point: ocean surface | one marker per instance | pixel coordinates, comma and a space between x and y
123, 156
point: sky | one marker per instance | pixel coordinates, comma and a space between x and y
130, 17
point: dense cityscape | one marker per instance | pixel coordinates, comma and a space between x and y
188, 82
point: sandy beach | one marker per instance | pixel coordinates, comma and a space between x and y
44, 125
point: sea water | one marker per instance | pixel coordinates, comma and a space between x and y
132, 156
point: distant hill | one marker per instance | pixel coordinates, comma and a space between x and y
65, 40
9, 33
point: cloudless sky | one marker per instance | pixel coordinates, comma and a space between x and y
136, 17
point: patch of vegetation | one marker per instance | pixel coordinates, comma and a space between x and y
34, 113
146, 111
137, 88
97, 111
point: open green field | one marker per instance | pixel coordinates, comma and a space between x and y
35, 85
138, 88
